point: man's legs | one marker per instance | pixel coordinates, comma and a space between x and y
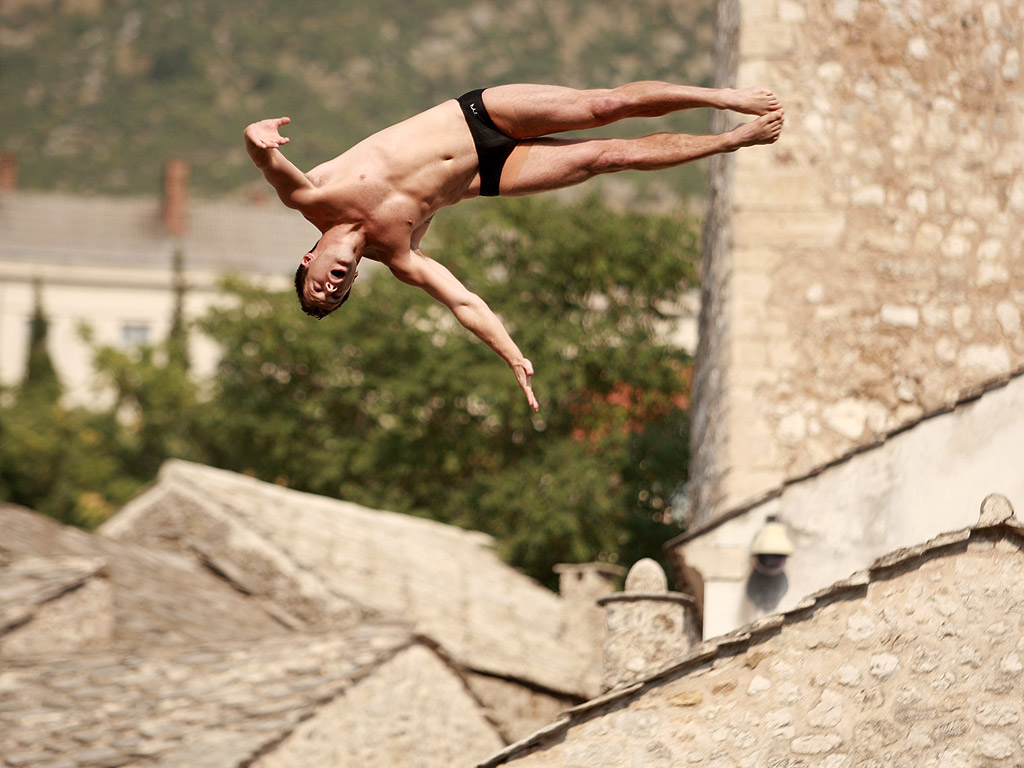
542, 165
530, 111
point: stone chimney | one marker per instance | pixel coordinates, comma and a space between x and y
584, 583
175, 198
8, 173
580, 587
646, 626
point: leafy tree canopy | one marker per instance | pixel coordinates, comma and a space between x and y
390, 403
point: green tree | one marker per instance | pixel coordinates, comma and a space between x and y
155, 402
53, 458
177, 337
41, 382
391, 404
78, 465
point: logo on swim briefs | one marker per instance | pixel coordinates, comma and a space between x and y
472, 106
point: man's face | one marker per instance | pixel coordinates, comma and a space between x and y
330, 273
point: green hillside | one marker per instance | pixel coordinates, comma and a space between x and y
95, 94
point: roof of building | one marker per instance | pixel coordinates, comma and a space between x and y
223, 704
115, 653
315, 556
41, 560
220, 236
864, 641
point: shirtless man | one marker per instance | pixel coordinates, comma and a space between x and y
376, 200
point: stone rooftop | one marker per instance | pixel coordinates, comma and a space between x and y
115, 653
50, 572
326, 562
215, 705
914, 661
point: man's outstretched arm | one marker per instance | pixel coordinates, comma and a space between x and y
415, 268
262, 140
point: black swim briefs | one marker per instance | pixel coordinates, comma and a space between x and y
492, 146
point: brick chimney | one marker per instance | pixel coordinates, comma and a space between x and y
8, 173
175, 197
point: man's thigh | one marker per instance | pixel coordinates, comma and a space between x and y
527, 111
542, 165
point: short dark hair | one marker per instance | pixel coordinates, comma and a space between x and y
313, 311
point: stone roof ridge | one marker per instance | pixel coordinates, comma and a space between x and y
30, 581
153, 595
178, 477
186, 473
967, 395
325, 561
997, 518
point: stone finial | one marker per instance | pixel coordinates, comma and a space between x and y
646, 576
995, 509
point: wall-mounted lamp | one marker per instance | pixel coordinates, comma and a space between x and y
771, 547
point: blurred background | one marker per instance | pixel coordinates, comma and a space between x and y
145, 269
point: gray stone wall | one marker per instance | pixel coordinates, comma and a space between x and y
871, 264
907, 490
920, 667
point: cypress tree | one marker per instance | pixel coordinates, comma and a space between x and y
40, 382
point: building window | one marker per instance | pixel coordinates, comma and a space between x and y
134, 335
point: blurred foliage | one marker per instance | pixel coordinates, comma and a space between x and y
96, 94
51, 457
391, 404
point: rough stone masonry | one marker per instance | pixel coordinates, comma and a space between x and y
867, 269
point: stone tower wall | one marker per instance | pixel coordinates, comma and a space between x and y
867, 269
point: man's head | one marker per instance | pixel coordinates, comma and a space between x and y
324, 278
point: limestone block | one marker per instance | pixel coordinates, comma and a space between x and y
778, 190
988, 359
759, 11
738, 487
845, 10
900, 316
805, 229
848, 417
768, 40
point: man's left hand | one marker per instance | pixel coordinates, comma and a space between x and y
523, 371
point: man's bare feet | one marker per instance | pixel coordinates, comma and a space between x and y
764, 130
751, 101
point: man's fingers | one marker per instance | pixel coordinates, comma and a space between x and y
523, 373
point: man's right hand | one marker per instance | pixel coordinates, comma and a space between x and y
266, 134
